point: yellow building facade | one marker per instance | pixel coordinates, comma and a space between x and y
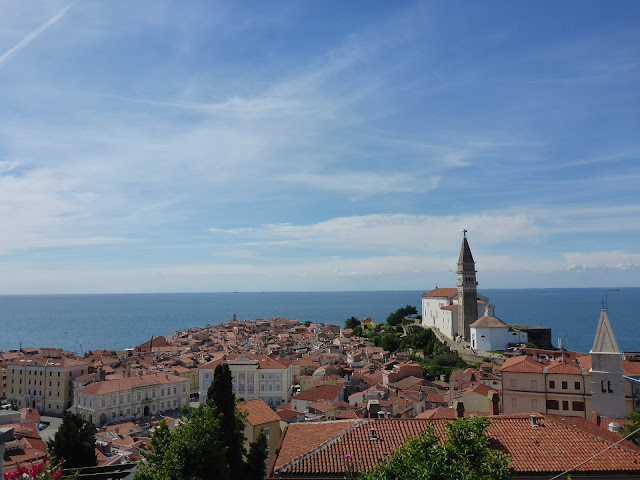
43, 383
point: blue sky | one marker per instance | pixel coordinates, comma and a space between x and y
155, 146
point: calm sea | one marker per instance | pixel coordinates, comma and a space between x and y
119, 321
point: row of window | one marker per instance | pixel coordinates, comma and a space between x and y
114, 399
564, 385
139, 410
39, 372
575, 406
34, 382
35, 392
552, 405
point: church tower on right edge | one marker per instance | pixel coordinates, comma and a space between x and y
607, 383
467, 290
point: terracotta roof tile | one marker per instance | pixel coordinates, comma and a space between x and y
441, 292
555, 445
564, 368
258, 412
488, 322
322, 392
522, 363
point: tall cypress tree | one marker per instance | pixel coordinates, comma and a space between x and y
75, 441
220, 395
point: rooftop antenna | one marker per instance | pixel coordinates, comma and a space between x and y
562, 345
605, 302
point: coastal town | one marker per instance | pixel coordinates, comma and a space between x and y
325, 394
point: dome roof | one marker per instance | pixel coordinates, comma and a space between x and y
488, 322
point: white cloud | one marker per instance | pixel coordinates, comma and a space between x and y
392, 232
617, 260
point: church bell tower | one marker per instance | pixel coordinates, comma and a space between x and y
467, 290
607, 383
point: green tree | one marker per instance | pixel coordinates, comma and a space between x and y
628, 429
465, 455
396, 317
196, 451
221, 396
442, 364
352, 322
257, 456
390, 342
160, 444
75, 441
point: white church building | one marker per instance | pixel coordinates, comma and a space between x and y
440, 310
454, 311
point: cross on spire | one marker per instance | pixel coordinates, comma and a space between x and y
464, 233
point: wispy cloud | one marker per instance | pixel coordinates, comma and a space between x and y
369, 183
33, 35
341, 151
617, 260
392, 232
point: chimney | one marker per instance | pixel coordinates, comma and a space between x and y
374, 435
614, 427
459, 408
495, 403
595, 418
234, 317
534, 420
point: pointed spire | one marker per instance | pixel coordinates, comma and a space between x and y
605, 341
465, 252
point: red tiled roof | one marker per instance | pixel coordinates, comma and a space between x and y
322, 406
480, 389
440, 413
555, 445
63, 362
449, 307
488, 322
302, 441
441, 292
347, 414
564, 368
258, 412
286, 414
435, 397
322, 392
522, 364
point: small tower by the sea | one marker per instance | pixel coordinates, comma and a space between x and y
467, 290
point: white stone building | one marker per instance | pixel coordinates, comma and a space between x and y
440, 310
113, 401
253, 376
491, 333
